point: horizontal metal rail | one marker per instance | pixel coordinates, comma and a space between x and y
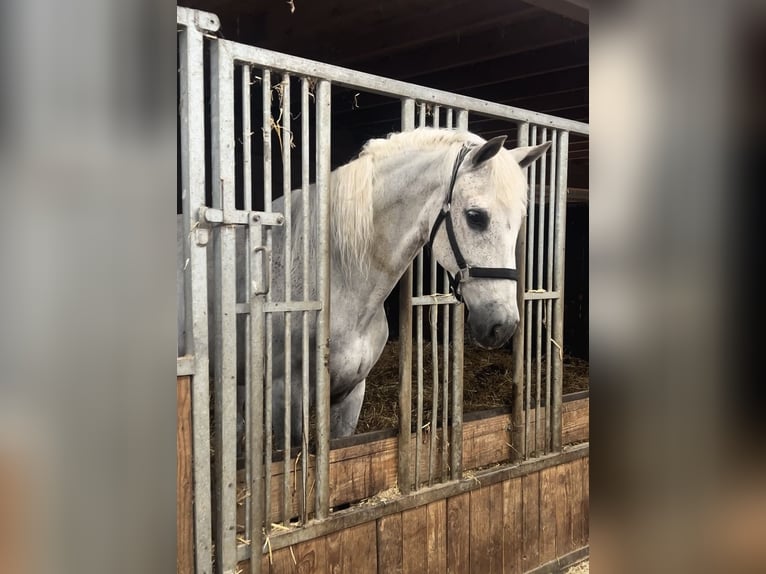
282, 307
388, 87
537, 295
424, 300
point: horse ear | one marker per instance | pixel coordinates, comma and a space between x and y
488, 150
526, 155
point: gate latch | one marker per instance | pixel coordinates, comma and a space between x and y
213, 216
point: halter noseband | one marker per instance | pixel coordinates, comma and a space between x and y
464, 270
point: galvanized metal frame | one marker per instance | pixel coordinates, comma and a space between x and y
540, 293
193, 25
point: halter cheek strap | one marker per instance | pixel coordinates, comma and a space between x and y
464, 270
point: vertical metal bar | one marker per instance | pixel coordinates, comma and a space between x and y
558, 284
539, 419
449, 118
422, 116
530, 267
405, 347
456, 463
193, 196
247, 192
518, 436
268, 367
323, 123
445, 384
549, 287
287, 137
435, 117
255, 421
462, 120
305, 203
419, 339
434, 323
222, 143
445, 397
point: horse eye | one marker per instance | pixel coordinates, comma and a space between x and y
478, 220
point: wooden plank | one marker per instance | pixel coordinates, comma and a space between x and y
575, 488
415, 540
563, 512
373, 511
334, 552
479, 533
458, 533
184, 478
390, 544
530, 492
496, 527
575, 421
513, 519
547, 515
310, 556
586, 499
358, 549
362, 470
437, 537
486, 538
283, 561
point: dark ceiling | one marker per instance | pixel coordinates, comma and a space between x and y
530, 54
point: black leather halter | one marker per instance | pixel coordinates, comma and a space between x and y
464, 269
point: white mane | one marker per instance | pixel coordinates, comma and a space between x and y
353, 185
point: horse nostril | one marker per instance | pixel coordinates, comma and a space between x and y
497, 330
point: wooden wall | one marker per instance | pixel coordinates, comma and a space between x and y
184, 511
360, 471
510, 526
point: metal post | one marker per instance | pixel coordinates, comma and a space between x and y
518, 436
530, 267
306, 202
323, 122
266, 128
405, 347
419, 339
247, 192
549, 287
222, 142
558, 285
287, 136
456, 463
192, 103
538, 281
462, 120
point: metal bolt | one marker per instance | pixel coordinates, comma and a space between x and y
280, 219
256, 217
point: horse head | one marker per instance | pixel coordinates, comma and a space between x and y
474, 237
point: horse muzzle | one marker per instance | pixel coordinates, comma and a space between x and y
492, 329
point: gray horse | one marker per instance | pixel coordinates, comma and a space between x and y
464, 194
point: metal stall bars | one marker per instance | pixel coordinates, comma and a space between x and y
226, 57
537, 418
192, 27
270, 315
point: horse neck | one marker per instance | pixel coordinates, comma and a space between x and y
411, 191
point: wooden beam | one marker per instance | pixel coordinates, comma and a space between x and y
536, 31
409, 29
577, 10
